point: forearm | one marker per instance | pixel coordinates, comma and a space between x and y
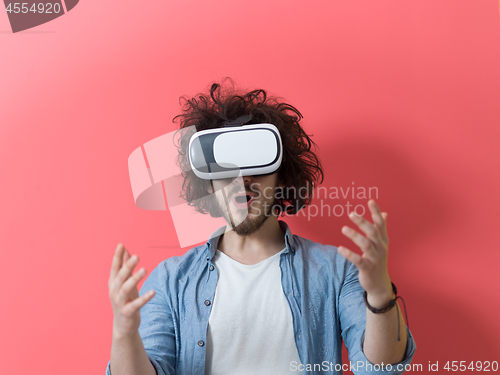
381, 334
128, 356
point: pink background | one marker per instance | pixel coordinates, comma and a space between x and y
402, 95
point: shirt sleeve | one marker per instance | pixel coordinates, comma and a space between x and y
352, 311
157, 326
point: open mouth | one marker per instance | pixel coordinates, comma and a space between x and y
242, 200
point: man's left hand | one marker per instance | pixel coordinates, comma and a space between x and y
372, 264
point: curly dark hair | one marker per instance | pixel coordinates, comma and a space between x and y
300, 168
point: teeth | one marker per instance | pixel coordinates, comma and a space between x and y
241, 199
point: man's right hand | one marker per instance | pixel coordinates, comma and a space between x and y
124, 295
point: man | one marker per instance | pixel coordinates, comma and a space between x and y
256, 299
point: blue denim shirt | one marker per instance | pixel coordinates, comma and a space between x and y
320, 285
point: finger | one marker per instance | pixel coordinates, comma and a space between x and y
117, 262
126, 256
376, 214
130, 308
386, 237
124, 273
351, 256
378, 219
364, 243
367, 228
129, 285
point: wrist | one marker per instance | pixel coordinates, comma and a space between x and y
119, 335
382, 297
380, 301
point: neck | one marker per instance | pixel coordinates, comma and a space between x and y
267, 241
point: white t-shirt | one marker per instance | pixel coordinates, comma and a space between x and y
250, 330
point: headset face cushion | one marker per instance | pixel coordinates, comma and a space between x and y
235, 151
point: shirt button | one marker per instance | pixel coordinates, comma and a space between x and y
207, 302
201, 343
211, 268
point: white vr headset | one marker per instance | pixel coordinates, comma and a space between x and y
235, 150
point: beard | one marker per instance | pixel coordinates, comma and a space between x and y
251, 223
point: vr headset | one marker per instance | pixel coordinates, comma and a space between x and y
235, 150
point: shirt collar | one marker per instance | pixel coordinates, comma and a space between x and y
213, 241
